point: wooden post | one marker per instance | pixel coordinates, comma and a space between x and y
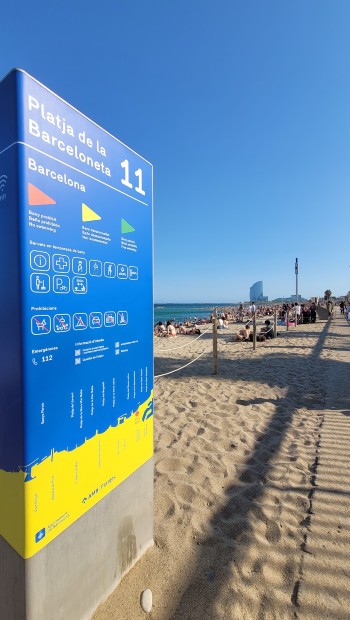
254, 332
275, 324
215, 345
287, 319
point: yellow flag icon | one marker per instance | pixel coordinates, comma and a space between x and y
88, 215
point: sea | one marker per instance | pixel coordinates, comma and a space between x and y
186, 312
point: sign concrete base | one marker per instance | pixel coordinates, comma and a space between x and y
72, 575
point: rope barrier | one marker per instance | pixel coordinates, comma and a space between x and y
186, 344
165, 374
181, 368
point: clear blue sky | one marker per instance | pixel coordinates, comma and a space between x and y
243, 107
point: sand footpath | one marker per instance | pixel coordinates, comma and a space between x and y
252, 481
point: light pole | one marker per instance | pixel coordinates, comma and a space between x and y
296, 279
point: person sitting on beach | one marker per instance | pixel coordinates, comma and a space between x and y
194, 329
171, 331
183, 329
268, 330
222, 323
159, 329
243, 334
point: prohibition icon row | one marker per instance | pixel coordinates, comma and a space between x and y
42, 324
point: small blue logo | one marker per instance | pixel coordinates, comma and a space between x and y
40, 535
3, 179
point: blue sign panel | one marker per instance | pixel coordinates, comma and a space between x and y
78, 246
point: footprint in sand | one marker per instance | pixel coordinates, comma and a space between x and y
207, 386
232, 446
171, 465
257, 567
278, 507
248, 476
301, 503
273, 532
289, 573
186, 493
210, 398
233, 530
167, 506
171, 511
258, 513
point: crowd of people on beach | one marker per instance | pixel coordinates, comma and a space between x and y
294, 313
174, 329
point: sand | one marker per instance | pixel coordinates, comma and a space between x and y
252, 481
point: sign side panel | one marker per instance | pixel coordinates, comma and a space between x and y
12, 472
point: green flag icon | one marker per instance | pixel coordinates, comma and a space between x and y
126, 227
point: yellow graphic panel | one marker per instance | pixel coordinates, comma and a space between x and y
65, 485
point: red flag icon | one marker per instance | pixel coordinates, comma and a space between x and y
36, 197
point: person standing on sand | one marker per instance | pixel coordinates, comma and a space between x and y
313, 313
330, 308
347, 311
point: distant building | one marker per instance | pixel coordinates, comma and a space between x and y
294, 298
256, 292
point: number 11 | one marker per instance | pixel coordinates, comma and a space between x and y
126, 180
